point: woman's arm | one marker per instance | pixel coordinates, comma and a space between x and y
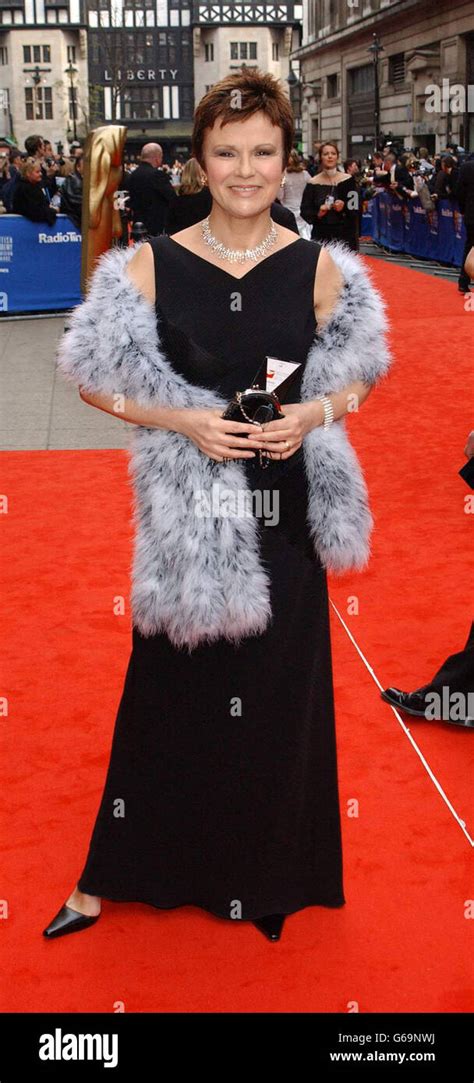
309, 204
301, 417
328, 285
161, 417
141, 272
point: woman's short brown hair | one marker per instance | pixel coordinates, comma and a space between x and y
254, 91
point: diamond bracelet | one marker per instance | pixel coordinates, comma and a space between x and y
328, 411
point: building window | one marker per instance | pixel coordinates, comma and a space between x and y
361, 80
139, 48
243, 50
396, 69
71, 54
72, 98
142, 103
36, 54
94, 49
3, 54
39, 103
139, 13
331, 86
209, 52
55, 14
167, 50
187, 101
275, 50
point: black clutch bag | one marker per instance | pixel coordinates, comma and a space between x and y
254, 406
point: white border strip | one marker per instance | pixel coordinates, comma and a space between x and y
407, 732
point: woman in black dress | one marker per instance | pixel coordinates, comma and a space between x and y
193, 202
225, 757
330, 201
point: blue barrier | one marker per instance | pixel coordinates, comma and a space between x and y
405, 227
40, 265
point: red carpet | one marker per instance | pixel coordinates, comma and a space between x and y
401, 941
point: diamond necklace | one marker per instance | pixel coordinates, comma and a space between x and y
237, 255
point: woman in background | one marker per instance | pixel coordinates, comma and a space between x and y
29, 197
331, 201
194, 199
291, 191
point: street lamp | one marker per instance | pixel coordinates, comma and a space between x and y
376, 48
72, 71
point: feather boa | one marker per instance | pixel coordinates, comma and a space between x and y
200, 578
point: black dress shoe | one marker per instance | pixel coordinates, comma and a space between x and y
68, 920
271, 925
414, 703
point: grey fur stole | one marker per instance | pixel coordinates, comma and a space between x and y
199, 578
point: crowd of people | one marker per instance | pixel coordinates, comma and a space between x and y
321, 198
39, 183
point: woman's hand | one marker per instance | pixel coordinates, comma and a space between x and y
217, 438
339, 204
323, 210
281, 438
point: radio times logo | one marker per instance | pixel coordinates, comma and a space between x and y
59, 238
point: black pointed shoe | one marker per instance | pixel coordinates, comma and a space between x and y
271, 925
68, 920
412, 702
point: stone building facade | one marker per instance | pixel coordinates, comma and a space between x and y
426, 73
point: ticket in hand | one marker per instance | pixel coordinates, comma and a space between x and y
276, 374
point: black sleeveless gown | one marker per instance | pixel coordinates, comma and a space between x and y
225, 758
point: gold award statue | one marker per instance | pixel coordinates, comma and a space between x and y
103, 155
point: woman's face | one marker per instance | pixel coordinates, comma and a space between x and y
328, 157
34, 175
243, 162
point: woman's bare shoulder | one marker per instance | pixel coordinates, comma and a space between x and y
141, 271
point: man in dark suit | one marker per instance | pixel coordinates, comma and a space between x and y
448, 696
464, 193
150, 190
